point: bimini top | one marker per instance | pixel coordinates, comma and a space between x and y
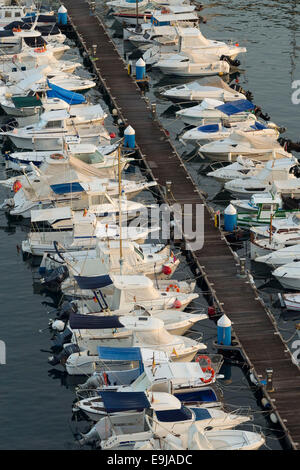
234, 107
124, 401
93, 282
94, 322
130, 282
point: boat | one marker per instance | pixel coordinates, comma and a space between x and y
239, 143
147, 332
195, 91
54, 129
281, 233
291, 301
191, 63
288, 275
274, 170
89, 330
161, 414
198, 439
221, 130
171, 14
242, 168
192, 40
148, 259
287, 255
212, 111
175, 377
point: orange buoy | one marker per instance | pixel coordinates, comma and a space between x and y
17, 186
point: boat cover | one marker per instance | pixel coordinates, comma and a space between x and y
26, 101
6, 34
69, 97
169, 416
94, 322
258, 126
207, 395
119, 354
124, 401
93, 282
36, 41
64, 188
234, 107
209, 128
16, 24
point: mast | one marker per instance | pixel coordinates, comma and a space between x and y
120, 207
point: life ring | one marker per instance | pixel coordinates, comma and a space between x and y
174, 287
17, 30
56, 156
39, 49
208, 360
212, 374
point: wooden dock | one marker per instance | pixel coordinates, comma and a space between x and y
254, 326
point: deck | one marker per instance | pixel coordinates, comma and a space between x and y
253, 324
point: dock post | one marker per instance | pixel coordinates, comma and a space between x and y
153, 110
269, 385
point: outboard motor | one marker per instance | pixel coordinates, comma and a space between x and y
12, 123
258, 113
233, 63
62, 357
288, 145
64, 312
56, 277
240, 89
59, 339
93, 382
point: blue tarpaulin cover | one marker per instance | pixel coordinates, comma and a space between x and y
64, 188
172, 416
201, 395
79, 321
93, 282
236, 107
209, 128
69, 97
124, 401
119, 354
201, 413
258, 126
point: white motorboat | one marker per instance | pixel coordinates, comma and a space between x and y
197, 439
242, 168
105, 259
239, 143
175, 377
162, 414
177, 14
147, 332
87, 231
281, 169
281, 233
9, 13
211, 132
291, 302
87, 331
196, 91
192, 40
288, 275
212, 111
55, 128
287, 255
191, 64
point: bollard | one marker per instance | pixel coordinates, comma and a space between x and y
224, 331
153, 110
129, 137
242, 266
94, 48
269, 386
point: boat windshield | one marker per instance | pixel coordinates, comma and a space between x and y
168, 416
91, 158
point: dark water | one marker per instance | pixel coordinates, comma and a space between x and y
36, 401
